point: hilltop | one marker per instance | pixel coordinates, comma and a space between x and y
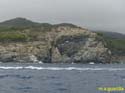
18, 22
23, 22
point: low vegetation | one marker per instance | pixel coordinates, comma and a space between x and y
13, 37
116, 45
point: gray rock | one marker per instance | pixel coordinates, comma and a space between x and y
61, 44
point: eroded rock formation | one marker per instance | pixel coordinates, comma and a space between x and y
60, 44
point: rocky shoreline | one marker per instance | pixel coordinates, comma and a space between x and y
60, 44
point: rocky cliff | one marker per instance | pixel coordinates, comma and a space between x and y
60, 44
54, 43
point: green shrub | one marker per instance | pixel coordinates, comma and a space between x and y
7, 37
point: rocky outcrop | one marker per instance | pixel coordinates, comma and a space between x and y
60, 44
80, 45
23, 52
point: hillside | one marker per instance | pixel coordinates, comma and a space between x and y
115, 42
113, 35
22, 40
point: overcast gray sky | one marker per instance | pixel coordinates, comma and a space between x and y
94, 14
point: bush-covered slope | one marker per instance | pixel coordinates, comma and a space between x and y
115, 42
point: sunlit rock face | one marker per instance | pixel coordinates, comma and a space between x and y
62, 43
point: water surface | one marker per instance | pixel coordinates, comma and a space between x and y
60, 78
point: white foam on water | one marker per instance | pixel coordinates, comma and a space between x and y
60, 68
3, 67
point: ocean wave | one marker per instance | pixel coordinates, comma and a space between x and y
8, 67
60, 68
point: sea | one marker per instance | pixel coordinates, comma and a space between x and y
61, 78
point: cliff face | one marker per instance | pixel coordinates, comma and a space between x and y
58, 44
79, 45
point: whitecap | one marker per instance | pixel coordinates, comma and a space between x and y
91, 63
3, 67
40, 62
61, 68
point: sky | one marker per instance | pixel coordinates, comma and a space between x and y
107, 15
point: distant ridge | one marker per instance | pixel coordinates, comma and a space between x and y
113, 35
23, 22
19, 22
